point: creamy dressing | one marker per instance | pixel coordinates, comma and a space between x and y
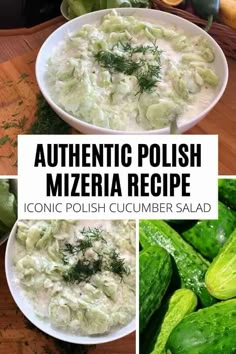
102, 303
91, 91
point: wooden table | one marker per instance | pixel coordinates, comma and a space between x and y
17, 337
17, 94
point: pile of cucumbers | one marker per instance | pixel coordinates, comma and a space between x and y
187, 296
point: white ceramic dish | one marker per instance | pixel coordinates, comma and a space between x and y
45, 52
13, 189
46, 327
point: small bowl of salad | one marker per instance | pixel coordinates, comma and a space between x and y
135, 71
8, 207
75, 279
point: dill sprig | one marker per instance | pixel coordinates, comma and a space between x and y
83, 270
117, 264
148, 75
142, 49
90, 235
94, 233
116, 63
85, 267
47, 121
148, 78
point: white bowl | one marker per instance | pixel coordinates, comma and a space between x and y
45, 326
13, 189
52, 41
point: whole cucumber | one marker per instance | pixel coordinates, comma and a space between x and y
227, 192
208, 331
180, 304
154, 277
221, 275
191, 266
208, 236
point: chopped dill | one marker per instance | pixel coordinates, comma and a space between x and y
116, 63
90, 235
47, 121
143, 49
94, 233
22, 77
117, 264
4, 139
148, 78
7, 156
147, 74
83, 270
18, 124
85, 266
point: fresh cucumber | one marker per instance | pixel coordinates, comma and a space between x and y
221, 276
181, 303
191, 266
208, 331
208, 236
227, 192
154, 277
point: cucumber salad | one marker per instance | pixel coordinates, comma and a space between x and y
129, 74
78, 275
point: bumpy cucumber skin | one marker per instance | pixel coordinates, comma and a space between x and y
227, 192
208, 331
221, 276
191, 266
208, 236
155, 272
181, 303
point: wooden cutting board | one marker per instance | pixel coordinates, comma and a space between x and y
18, 90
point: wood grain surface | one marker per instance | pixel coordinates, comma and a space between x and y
17, 98
17, 338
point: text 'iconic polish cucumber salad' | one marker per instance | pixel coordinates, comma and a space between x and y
129, 74
79, 275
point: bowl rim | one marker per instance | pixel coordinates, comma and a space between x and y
131, 11
52, 331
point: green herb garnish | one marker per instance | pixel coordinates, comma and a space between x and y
4, 139
85, 267
148, 77
83, 270
116, 63
117, 264
90, 235
94, 234
143, 49
47, 121
147, 74
18, 124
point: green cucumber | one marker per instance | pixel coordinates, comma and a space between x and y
191, 266
227, 192
154, 277
208, 236
221, 276
181, 303
208, 331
